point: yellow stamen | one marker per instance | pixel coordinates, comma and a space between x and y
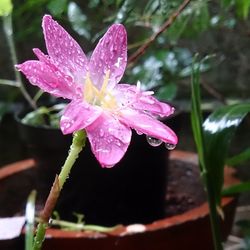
105, 84
100, 97
90, 91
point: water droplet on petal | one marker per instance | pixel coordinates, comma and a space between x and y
110, 166
138, 132
101, 133
69, 78
170, 146
153, 141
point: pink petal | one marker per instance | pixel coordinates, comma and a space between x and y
64, 50
41, 56
78, 115
129, 95
46, 59
109, 139
145, 124
110, 54
49, 79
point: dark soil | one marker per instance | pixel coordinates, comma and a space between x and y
184, 190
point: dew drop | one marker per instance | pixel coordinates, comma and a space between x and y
138, 132
170, 146
68, 78
108, 166
101, 133
153, 141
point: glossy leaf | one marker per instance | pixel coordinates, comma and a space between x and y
219, 129
30, 220
236, 189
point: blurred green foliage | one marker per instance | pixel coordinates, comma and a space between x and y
166, 65
5, 7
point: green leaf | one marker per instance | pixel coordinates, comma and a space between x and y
151, 7
167, 92
240, 158
236, 189
242, 8
5, 7
196, 115
78, 20
227, 3
219, 129
57, 7
192, 21
30, 220
204, 65
47, 117
124, 11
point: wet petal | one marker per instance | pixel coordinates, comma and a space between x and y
41, 56
64, 50
110, 55
78, 115
145, 124
109, 139
130, 95
46, 59
49, 79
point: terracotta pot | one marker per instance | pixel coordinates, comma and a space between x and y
189, 230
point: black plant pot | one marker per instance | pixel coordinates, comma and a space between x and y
131, 192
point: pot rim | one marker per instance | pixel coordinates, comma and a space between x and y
121, 230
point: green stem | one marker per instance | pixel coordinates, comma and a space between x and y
80, 226
78, 143
40, 233
9, 83
214, 217
8, 30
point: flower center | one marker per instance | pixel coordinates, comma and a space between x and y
102, 97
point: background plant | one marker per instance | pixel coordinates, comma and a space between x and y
213, 138
215, 26
166, 65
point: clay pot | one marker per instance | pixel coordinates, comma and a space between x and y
189, 230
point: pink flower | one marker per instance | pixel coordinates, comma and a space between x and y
105, 109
